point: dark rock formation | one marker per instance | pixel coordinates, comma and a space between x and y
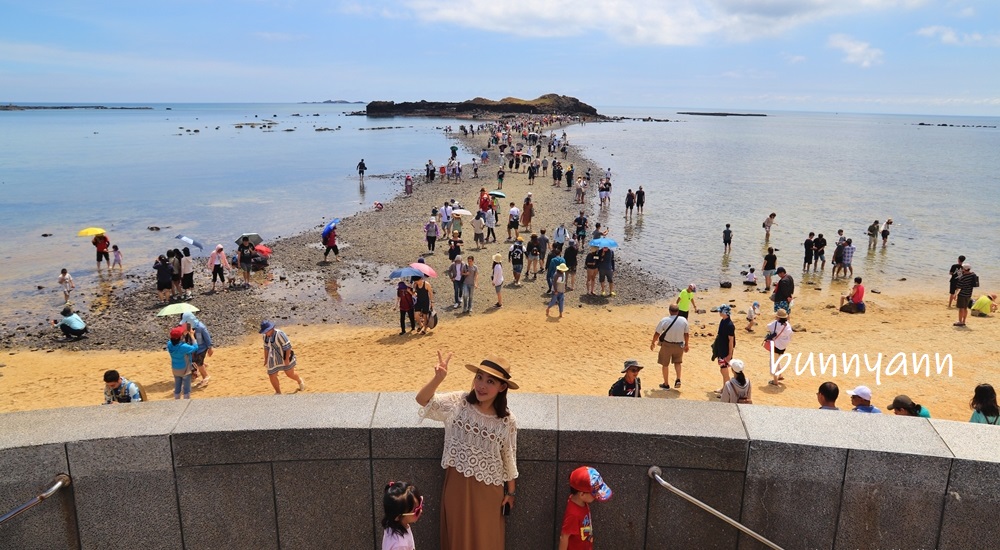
546, 104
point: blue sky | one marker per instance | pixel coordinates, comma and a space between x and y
886, 56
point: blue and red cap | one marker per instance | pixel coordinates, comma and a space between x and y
587, 480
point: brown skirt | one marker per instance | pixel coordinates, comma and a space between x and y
470, 514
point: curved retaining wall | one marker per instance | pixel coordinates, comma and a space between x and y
307, 471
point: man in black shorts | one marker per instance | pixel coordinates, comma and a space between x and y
955, 271
581, 224
245, 254
640, 199
819, 252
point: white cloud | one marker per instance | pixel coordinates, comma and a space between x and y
856, 52
793, 59
950, 36
967, 12
665, 22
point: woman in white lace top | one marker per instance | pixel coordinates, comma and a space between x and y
480, 454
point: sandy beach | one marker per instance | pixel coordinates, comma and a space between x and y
345, 328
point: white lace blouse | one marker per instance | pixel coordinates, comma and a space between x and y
475, 444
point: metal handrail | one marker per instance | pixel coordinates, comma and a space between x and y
60, 481
655, 473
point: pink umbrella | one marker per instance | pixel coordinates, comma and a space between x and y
424, 268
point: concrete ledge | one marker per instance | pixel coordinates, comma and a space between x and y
302, 471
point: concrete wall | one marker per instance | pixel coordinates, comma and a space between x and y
307, 471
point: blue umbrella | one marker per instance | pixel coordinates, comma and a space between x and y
604, 241
405, 273
190, 241
329, 227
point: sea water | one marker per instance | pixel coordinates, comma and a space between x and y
188, 169
127, 170
818, 172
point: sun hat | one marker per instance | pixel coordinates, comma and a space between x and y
781, 313
736, 365
901, 402
496, 367
520, 239
588, 480
631, 363
266, 326
562, 267
176, 333
433, 219
724, 308
497, 257
861, 391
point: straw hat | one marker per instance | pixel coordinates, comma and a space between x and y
495, 366
781, 314
497, 258
562, 267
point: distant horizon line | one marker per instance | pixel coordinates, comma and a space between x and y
600, 107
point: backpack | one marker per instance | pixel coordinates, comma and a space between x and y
142, 391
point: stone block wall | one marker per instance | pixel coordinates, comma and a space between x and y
307, 471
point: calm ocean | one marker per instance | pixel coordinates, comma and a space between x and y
819, 172
124, 170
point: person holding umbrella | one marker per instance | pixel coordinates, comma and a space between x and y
197, 333
330, 242
278, 356
245, 253
101, 243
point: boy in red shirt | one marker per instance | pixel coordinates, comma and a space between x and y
586, 486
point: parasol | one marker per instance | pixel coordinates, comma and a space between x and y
424, 268
255, 238
406, 273
177, 309
329, 227
190, 241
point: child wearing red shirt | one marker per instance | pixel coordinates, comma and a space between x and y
586, 486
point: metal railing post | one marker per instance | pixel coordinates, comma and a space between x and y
60, 481
655, 473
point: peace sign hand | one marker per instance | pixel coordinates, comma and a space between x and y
441, 369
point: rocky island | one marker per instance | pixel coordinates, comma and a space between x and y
546, 104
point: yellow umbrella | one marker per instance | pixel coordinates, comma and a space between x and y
90, 232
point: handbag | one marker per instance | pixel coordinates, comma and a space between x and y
769, 339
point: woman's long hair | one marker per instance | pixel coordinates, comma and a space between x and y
984, 400
741, 378
499, 404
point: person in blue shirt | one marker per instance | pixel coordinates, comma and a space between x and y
197, 333
118, 389
71, 325
180, 362
861, 398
